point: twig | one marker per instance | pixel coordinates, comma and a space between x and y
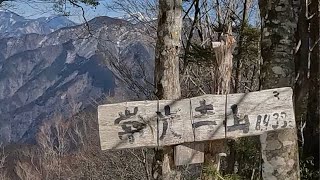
83, 14
311, 49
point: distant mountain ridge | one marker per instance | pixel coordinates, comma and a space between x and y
137, 18
13, 25
61, 73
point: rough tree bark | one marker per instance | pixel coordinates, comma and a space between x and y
301, 67
311, 133
167, 74
279, 149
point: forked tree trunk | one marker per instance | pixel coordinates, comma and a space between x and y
279, 148
167, 74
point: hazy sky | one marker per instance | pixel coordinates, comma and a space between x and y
39, 9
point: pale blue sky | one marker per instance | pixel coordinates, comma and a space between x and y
41, 9
37, 8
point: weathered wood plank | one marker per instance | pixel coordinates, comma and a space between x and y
174, 122
257, 112
208, 114
189, 153
128, 125
164, 123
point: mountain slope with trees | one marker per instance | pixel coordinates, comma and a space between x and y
61, 73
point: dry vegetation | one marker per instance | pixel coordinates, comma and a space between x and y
70, 150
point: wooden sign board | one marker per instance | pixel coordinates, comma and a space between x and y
208, 114
247, 115
174, 122
166, 122
128, 125
257, 112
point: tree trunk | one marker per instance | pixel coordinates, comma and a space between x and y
301, 67
311, 133
279, 148
167, 49
167, 74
